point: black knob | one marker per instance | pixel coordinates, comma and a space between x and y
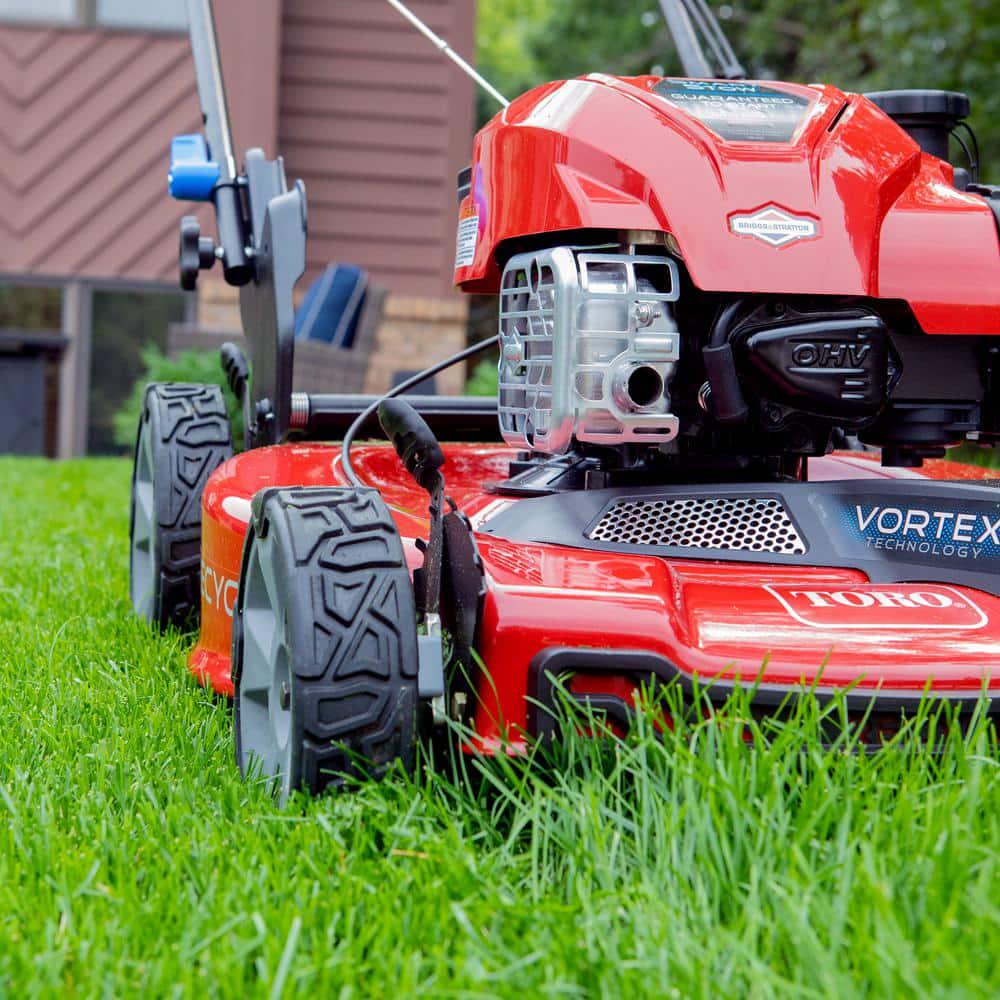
196, 252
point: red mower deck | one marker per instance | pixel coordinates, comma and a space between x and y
766, 624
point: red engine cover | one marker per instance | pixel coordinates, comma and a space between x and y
784, 624
859, 209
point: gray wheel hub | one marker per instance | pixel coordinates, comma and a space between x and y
265, 685
143, 568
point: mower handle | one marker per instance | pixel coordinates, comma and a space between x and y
229, 218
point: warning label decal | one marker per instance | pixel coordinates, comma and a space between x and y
736, 111
468, 238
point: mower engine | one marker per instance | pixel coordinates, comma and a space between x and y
589, 347
823, 278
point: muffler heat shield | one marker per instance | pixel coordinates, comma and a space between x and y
588, 346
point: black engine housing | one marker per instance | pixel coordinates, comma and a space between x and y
825, 364
798, 375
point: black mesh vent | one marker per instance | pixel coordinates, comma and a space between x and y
748, 524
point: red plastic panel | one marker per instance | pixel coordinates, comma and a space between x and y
877, 218
785, 625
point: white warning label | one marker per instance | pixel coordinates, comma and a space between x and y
468, 238
738, 111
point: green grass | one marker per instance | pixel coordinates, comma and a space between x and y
133, 860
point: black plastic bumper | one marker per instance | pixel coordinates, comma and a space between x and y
553, 664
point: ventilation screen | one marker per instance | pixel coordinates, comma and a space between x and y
747, 524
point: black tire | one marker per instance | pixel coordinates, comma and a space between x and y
183, 437
325, 587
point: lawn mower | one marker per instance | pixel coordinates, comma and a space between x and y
739, 325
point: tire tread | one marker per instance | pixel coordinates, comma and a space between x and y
355, 668
192, 439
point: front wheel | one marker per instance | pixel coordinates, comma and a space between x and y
324, 641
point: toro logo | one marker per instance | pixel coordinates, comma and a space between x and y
774, 226
889, 607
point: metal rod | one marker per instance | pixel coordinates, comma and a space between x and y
693, 25
703, 20
327, 417
215, 115
731, 67
689, 48
211, 89
447, 50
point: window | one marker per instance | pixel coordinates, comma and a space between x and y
164, 15
125, 323
38, 10
129, 14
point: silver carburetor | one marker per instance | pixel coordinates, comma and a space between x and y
588, 347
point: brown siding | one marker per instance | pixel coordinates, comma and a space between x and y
377, 123
364, 110
86, 119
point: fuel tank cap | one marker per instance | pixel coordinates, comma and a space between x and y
927, 115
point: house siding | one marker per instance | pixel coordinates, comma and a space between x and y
85, 121
378, 123
364, 110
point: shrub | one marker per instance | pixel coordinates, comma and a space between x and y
483, 381
188, 366
973, 453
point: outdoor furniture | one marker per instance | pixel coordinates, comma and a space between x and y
319, 366
331, 309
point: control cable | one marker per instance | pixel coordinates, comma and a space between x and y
410, 383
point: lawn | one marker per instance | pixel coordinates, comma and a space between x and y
134, 861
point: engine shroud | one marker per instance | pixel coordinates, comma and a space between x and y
876, 217
828, 364
588, 347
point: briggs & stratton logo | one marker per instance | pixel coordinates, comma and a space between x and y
774, 226
887, 607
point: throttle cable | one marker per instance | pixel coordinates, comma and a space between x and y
367, 413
